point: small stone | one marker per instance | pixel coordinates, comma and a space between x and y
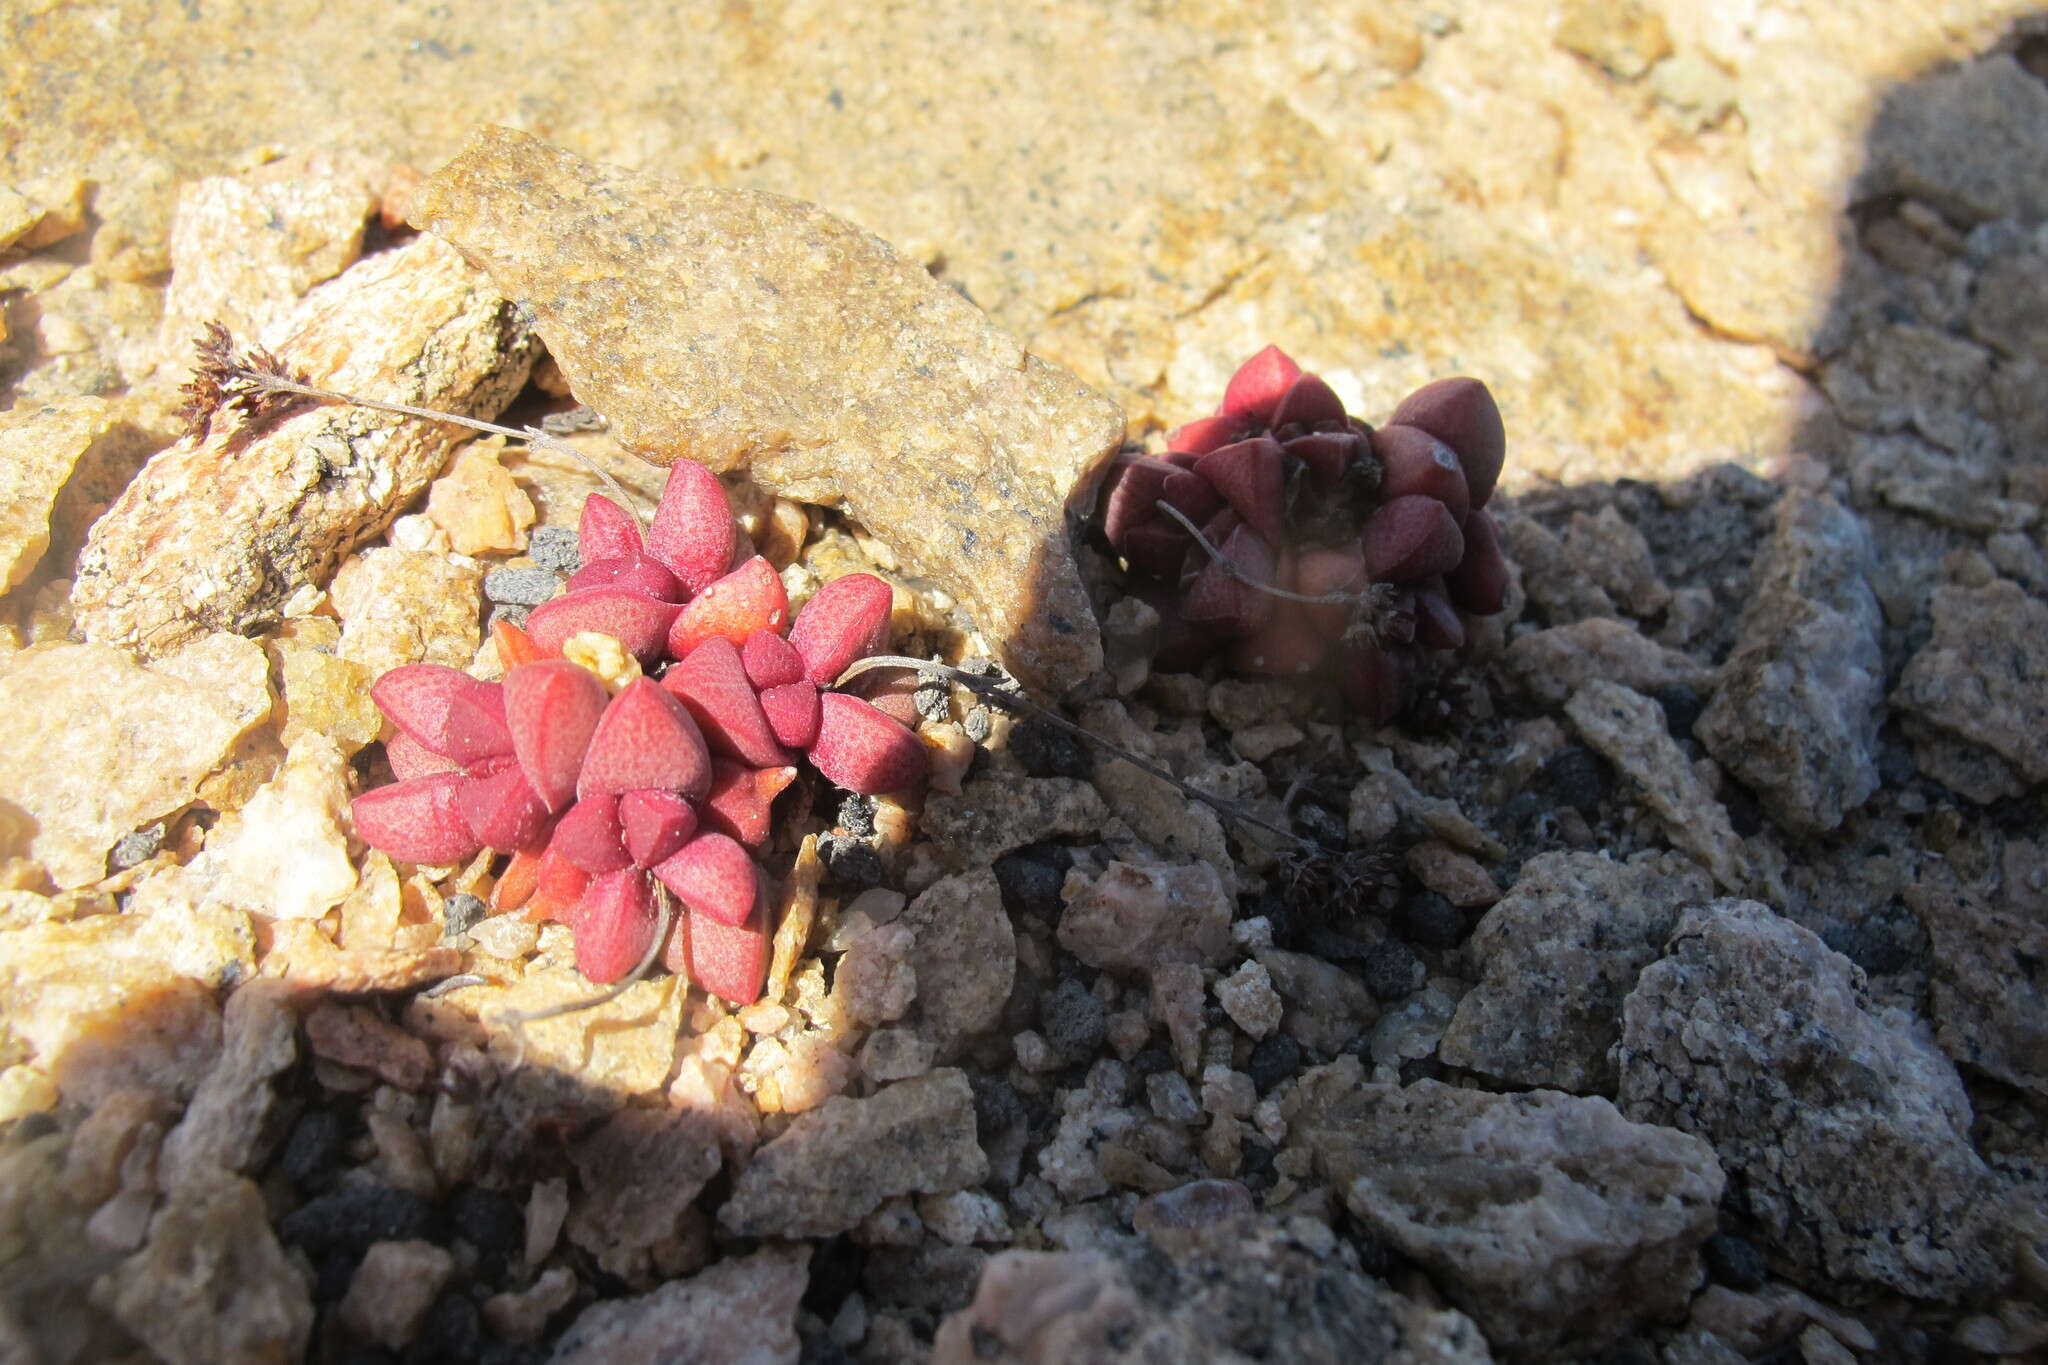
522, 1316
1327, 1006
492, 1223
1579, 777
1142, 917
1427, 919
896, 1054
979, 723
1274, 1060
1683, 706
527, 587
851, 862
875, 982
555, 549
740, 1311
837, 1163
231, 1120
638, 1176
352, 1218
285, 853
1177, 997
460, 914
1074, 1021
1552, 664
357, 1036
1228, 1092
1172, 1099
391, 1291
138, 847
1971, 695
964, 1217
1034, 1054
1248, 997
1456, 876
1624, 39
1030, 881
401, 607
324, 694
1392, 971
477, 503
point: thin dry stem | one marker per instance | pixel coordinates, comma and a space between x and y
1236, 571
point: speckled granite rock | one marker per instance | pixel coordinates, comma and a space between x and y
1550, 1219
749, 331
741, 1311
1557, 956
964, 953
208, 537
1753, 1035
1973, 694
1987, 1015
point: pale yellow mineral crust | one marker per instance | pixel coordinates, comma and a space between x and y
748, 331
209, 537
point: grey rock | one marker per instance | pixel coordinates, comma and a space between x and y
1955, 138
1135, 918
1797, 711
1552, 664
1988, 1014
1549, 1218
836, 1164
555, 548
233, 1119
741, 1311
993, 815
1751, 1033
1557, 956
637, 1177
1612, 552
1214, 1285
527, 587
1327, 1007
1556, 585
964, 954
1973, 695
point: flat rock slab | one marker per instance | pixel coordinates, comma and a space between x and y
747, 331
214, 536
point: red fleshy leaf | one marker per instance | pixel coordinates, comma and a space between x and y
792, 710
515, 885
1205, 434
729, 961
1327, 454
692, 531
1461, 413
634, 619
657, 823
1480, 582
645, 738
742, 799
648, 577
1134, 485
712, 875
862, 750
515, 646
590, 836
749, 599
1287, 646
1156, 547
893, 693
615, 925
1252, 476
1182, 647
1414, 463
1225, 605
1310, 405
770, 660
557, 889
1411, 538
503, 811
1377, 683
712, 683
409, 758
445, 709
552, 707
1255, 390
1437, 623
846, 620
418, 821
1217, 531
606, 531
1193, 496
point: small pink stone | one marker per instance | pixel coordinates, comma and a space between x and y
1411, 538
552, 707
692, 532
1256, 389
1415, 463
846, 620
1461, 413
590, 835
418, 821
615, 924
646, 738
862, 750
712, 875
656, 824
606, 531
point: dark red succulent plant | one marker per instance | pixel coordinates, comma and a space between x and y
1292, 537
596, 797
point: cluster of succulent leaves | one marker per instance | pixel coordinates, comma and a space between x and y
603, 801
1290, 537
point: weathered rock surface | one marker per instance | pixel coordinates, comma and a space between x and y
67, 710
234, 1115
1550, 1219
1796, 714
1557, 955
964, 954
1229, 1288
43, 448
741, 1311
1990, 1003
1973, 693
212, 1284
1753, 1035
748, 331
638, 1175
1135, 918
836, 1164
1552, 664
212, 537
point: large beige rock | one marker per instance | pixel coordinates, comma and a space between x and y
751, 332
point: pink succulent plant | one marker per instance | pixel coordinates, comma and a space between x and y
1330, 545
597, 798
